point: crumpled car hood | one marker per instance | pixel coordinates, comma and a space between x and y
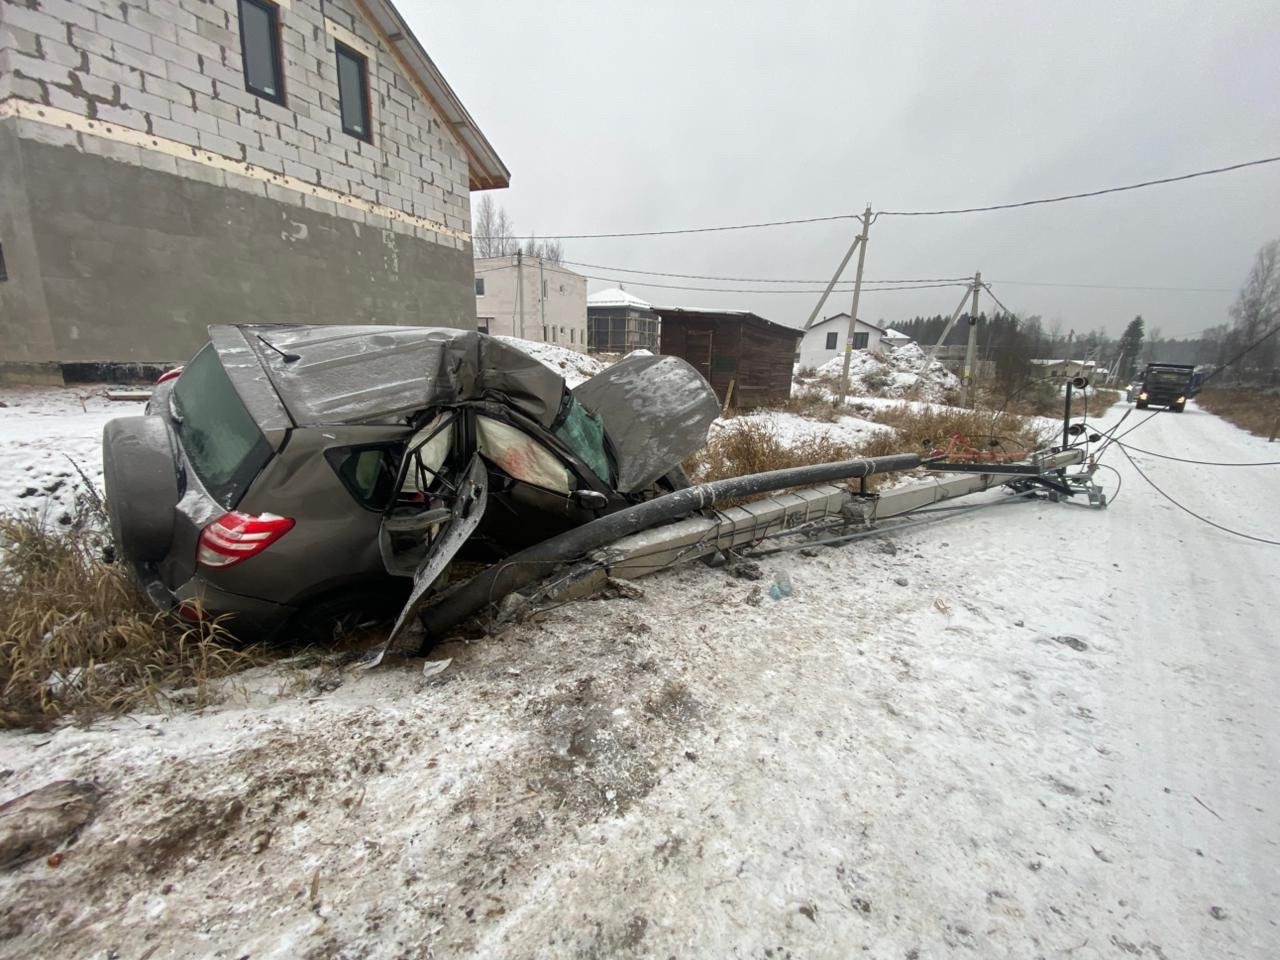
360, 374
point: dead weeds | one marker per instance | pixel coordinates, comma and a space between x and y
750, 446
77, 639
923, 429
1253, 410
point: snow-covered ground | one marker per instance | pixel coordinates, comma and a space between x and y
792, 428
1035, 731
45, 434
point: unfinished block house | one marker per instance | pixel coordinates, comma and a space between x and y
170, 164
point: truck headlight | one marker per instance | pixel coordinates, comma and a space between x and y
1181, 400
1142, 395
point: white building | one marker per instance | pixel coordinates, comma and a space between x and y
824, 339
531, 298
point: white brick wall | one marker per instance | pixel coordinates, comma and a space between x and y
172, 68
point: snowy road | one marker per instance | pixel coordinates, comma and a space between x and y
1059, 738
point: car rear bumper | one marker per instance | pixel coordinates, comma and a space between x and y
197, 599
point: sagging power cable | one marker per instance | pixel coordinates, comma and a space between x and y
1190, 512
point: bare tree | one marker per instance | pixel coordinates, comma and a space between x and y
492, 230
1257, 310
550, 250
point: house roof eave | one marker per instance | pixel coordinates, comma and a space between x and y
486, 170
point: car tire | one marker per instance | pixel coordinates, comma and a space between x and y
1178, 407
140, 473
1142, 404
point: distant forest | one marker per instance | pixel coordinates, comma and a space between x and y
1013, 342
1244, 352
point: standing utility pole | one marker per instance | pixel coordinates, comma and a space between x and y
966, 382
520, 290
853, 310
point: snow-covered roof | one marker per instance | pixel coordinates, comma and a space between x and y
896, 334
617, 297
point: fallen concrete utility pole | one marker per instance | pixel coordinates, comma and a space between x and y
649, 551
536, 562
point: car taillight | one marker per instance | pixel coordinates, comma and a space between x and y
169, 375
235, 536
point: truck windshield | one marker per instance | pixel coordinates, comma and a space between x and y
223, 444
1170, 378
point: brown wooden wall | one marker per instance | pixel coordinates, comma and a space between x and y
725, 348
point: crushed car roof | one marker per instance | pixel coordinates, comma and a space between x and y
326, 374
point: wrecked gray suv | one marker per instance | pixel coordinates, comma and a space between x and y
295, 477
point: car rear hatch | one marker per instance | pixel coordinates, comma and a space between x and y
228, 423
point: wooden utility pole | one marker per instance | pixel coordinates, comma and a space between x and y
966, 382
520, 290
853, 310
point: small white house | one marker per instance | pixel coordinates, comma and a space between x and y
824, 339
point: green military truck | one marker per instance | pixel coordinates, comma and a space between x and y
1167, 385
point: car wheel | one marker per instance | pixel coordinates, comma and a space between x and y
1142, 404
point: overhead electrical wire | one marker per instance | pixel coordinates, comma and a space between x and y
682, 230
898, 213
699, 276
1079, 196
866, 284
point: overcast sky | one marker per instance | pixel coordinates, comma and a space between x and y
636, 116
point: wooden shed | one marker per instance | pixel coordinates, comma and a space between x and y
735, 347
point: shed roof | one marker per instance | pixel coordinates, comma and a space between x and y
487, 171
746, 316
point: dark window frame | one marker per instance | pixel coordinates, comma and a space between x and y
340, 50
833, 340
384, 491
272, 11
479, 286
861, 341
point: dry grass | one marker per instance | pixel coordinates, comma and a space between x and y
78, 640
1251, 410
749, 446
921, 429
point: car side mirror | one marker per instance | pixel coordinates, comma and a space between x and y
590, 499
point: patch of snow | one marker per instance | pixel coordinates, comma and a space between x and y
791, 428
45, 433
899, 372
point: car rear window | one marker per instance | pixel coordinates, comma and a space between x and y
223, 444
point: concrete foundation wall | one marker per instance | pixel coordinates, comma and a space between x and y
25, 334
132, 264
